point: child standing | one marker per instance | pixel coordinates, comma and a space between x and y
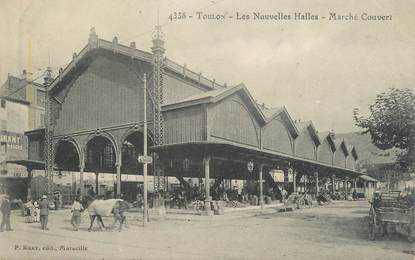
76, 214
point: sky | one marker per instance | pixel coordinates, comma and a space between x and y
320, 70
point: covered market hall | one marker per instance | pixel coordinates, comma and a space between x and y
197, 128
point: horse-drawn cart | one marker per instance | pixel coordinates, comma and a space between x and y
390, 212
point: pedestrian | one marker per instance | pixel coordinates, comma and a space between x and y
37, 211
76, 214
283, 195
354, 194
31, 212
5, 211
56, 201
119, 208
139, 199
44, 212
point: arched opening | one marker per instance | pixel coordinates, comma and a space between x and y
132, 147
100, 155
66, 156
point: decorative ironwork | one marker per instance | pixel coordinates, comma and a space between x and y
158, 97
48, 133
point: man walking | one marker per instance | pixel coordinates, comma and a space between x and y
5, 211
44, 212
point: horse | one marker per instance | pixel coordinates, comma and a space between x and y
98, 208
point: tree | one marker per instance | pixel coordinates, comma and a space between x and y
391, 123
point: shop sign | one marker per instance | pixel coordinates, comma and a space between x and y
13, 141
145, 159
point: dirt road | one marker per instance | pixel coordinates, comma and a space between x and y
337, 231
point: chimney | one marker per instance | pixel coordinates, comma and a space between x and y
24, 74
132, 45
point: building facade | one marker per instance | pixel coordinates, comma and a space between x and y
22, 109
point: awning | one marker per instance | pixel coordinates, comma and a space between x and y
245, 152
29, 164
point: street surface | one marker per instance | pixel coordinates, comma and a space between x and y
336, 231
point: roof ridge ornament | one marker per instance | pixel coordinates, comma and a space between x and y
93, 38
158, 41
114, 44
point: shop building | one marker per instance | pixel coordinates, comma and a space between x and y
22, 109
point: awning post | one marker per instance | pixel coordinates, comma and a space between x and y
261, 191
316, 179
118, 166
207, 208
81, 181
29, 183
294, 179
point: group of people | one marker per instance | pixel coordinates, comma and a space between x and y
39, 212
33, 211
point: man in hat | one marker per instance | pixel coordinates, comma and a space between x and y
44, 212
5, 211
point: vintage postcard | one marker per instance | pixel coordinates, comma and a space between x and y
207, 129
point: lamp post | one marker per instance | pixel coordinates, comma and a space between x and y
145, 159
145, 213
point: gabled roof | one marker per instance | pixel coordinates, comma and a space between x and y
202, 97
340, 143
309, 126
271, 113
368, 152
214, 96
352, 150
265, 115
328, 136
130, 51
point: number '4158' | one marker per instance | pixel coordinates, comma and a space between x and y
177, 16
